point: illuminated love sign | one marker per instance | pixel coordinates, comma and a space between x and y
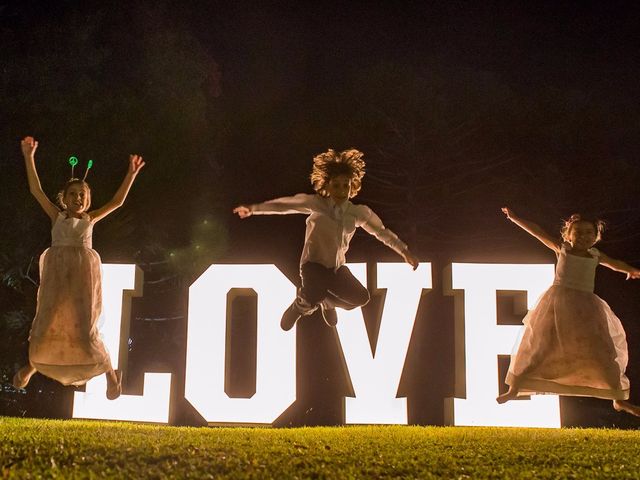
375, 376
153, 405
206, 341
479, 341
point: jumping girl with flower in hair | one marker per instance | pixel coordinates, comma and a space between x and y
573, 344
64, 342
326, 282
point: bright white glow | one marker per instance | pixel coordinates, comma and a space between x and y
152, 406
122, 282
479, 340
375, 377
206, 341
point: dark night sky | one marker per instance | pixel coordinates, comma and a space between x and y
571, 45
531, 104
288, 71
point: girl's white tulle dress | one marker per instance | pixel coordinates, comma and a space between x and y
572, 342
64, 343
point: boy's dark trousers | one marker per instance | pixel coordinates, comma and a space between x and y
337, 288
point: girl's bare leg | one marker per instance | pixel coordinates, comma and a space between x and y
114, 384
625, 406
22, 376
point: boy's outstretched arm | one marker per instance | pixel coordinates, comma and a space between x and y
135, 165
374, 226
410, 258
533, 229
300, 203
243, 211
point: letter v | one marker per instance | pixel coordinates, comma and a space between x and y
375, 377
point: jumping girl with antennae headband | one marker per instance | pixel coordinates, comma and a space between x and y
64, 343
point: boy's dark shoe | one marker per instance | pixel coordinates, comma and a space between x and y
329, 315
290, 316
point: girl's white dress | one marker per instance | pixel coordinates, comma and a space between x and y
64, 343
572, 342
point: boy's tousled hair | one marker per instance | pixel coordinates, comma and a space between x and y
598, 225
331, 164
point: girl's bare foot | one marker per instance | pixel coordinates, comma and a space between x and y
512, 394
114, 384
624, 406
22, 376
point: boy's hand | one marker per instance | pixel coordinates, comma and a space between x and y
28, 146
410, 258
243, 211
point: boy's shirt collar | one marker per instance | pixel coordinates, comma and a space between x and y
335, 206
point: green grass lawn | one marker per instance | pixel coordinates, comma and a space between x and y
87, 449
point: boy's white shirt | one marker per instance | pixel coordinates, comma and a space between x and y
330, 227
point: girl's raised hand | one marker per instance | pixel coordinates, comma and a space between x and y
508, 212
243, 211
28, 146
135, 164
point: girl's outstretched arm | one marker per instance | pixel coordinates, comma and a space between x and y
29, 146
135, 165
619, 266
533, 229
